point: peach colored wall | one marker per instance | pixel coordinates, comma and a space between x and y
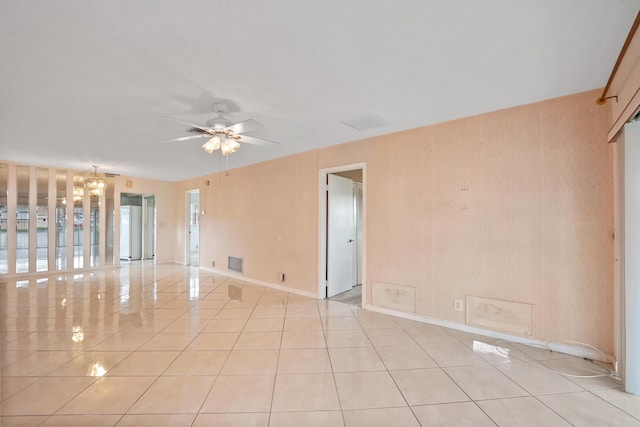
266, 213
515, 204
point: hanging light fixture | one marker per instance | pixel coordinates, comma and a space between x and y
78, 194
220, 134
78, 189
229, 146
212, 145
94, 185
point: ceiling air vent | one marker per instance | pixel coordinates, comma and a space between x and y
365, 122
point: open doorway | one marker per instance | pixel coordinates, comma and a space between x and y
137, 227
192, 203
342, 232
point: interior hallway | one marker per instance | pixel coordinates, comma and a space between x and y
171, 345
351, 297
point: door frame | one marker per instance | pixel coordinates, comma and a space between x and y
144, 228
341, 235
187, 225
148, 230
626, 255
322, 226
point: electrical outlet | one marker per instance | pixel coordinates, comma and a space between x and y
458, 305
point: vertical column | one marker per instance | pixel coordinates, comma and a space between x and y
33, 219
102, 228
51, 218
70, 231
12, 202
86, 229
116, 222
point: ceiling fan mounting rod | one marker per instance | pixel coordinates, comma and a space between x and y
219, 108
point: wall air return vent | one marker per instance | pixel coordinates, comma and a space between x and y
235, 263
499, 315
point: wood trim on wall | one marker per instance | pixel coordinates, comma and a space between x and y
623, 53
624, 83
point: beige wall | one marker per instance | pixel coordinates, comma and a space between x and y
265, 213
515, 205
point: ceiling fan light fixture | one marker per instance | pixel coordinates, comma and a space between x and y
235, 145
229, 146
226, 148
221, 134
212, 145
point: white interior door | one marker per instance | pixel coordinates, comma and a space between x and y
628, 256
193, 227
357, 195
340, 235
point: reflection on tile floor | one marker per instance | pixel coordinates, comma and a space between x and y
172, 345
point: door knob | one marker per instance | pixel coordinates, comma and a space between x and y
350, 241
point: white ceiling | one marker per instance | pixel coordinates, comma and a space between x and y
87, 82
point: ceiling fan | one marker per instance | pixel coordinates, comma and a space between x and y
221, 134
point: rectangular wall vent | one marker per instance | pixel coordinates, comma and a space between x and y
396, 297
235, 263
499, 315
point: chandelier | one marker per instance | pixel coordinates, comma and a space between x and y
95, 186
78, 189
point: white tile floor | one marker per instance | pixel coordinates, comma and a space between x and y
169, 345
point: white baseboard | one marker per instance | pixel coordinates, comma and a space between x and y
573, 350
259, 282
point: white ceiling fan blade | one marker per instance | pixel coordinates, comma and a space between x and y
192, 125
255, 141
243, 127
186, 138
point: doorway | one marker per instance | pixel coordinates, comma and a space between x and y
192, 198
137, 226
342, 257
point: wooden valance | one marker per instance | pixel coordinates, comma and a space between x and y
623, 87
